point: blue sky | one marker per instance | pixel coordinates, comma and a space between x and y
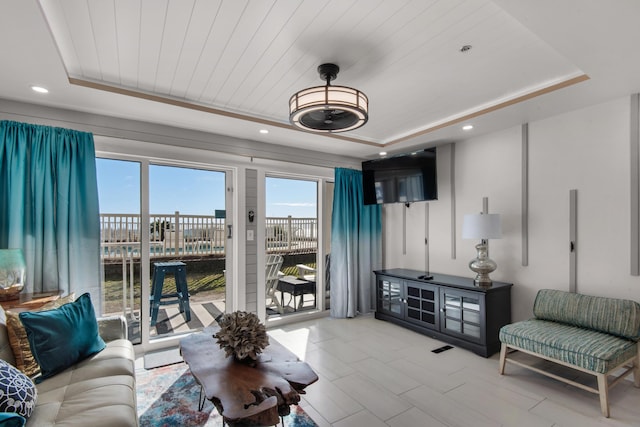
192, 191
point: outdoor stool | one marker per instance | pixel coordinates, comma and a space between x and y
181, 296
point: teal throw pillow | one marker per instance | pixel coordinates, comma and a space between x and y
10, 419
61, 337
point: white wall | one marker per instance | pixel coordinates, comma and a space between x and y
586, 150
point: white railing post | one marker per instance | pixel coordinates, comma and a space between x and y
176, 234
289, 232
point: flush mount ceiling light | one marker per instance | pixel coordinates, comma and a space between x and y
328, 108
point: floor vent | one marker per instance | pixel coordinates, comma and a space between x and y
441, 349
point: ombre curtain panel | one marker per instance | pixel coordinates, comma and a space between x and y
49, 206
356, 247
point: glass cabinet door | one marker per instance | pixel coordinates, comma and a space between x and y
460, 314
390, 295
422, 302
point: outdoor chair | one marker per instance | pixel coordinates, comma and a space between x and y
272, 268
307, 273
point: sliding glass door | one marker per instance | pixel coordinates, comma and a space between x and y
183, 236
291, 232
187, 236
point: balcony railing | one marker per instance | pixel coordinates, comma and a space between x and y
197, 235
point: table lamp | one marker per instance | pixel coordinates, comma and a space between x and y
483, 227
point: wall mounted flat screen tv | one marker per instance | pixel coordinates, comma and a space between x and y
405, 178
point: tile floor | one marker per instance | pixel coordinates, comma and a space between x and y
373, 373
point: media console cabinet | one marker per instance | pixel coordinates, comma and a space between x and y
448, 308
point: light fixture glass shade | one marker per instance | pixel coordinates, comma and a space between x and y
481, 226
329, 109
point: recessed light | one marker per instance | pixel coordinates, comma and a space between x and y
467, 127
383, 153
39, 89
264, 131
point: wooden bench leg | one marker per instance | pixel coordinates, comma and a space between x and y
603, 391
503, 358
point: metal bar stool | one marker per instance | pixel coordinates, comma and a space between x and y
181, 296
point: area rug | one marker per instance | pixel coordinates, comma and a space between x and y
168, 396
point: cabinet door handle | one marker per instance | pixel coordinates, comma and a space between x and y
444, 310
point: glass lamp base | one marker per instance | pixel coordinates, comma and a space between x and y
482, 265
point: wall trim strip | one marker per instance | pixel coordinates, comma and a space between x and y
452, 180
573, 240
634, 154
404, 229
485, 210
426, 237
525, 195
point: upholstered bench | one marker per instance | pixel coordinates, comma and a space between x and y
595, 335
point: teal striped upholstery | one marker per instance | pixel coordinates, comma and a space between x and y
613, 316
588, 349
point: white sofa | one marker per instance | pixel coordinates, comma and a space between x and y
99, 391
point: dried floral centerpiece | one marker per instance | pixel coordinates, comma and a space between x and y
242, 336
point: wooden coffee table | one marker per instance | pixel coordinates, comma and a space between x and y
246, 395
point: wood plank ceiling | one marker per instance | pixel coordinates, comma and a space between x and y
246, 58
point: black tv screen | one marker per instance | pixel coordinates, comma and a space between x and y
405, 178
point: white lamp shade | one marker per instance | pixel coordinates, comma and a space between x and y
481, 226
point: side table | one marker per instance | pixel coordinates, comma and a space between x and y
30, 301
296, 287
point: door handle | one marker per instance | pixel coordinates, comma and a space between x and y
230, 227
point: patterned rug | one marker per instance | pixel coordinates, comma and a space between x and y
168, 397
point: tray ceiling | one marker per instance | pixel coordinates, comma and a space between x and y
230, 66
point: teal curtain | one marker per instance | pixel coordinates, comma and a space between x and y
49, 206
356, 247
